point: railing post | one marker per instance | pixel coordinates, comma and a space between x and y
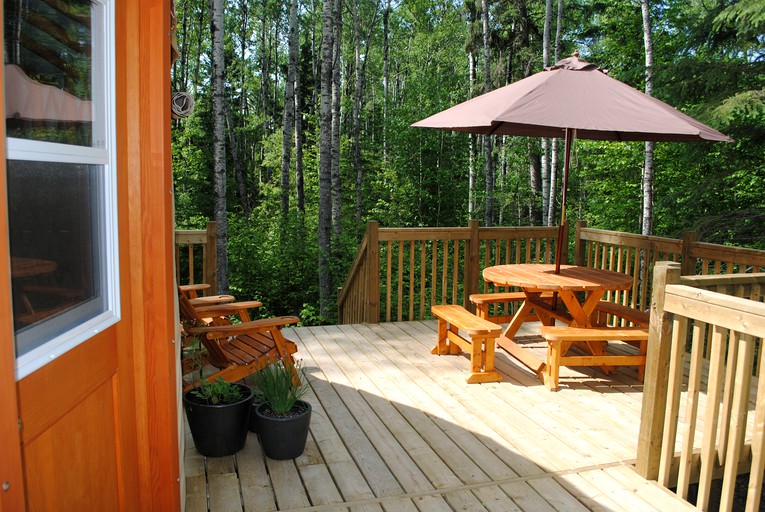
688, 264
580, 246
211, 257
471, 271
373, 276
656, 373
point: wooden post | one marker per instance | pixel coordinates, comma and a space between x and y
373, 279
211, 258
688, 264
472, 253
656, 373
580, 246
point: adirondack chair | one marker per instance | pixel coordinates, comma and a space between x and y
235, 349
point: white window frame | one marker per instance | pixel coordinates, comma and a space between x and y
102, 153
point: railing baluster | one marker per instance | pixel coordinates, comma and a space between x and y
423, 247
411, 279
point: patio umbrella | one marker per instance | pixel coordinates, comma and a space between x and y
572, 99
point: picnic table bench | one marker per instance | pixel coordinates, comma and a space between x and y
480, 341
483, 301
561, 338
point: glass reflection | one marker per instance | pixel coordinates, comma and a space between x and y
48, 75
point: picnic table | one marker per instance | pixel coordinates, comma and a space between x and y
578, 291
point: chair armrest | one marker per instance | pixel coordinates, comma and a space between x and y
230, 308
211, 300
190, 290
263, 324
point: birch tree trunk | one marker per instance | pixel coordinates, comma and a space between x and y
325, 160
288, 122
219, 143
299, 186
471, 147
554, 158
648, 168
356, 121
336, 103
548, 184
487, 139
386, 80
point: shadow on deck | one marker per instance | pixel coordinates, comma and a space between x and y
396, 428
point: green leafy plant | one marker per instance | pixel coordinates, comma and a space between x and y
218, 392
277, 385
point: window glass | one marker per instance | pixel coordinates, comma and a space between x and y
61, 174
55, 214
48, 71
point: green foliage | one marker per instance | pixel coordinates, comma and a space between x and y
218, 392
707, 62
276, 385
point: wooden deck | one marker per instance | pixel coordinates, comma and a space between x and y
396, 428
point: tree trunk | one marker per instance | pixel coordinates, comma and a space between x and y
288, 122
554, 143
487, 140
239, 173
548, 186
535, 214
299, 187
265, 95
648, 169
386, 81
356, 122
471, 147
336, 103
197, 65
325, 161
219, 143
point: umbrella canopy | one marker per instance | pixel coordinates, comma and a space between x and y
577, 95
572, 99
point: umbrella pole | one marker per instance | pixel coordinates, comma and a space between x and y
562, 227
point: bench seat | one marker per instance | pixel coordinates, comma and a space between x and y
480, 341
632, 315
560, 338
482, 301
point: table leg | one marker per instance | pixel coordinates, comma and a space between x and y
518, 319
582, 315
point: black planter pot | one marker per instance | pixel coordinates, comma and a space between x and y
218, 430
283, 438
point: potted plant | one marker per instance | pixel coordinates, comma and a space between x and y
282, 417
218, 414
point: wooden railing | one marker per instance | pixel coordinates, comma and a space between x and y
399, 273
705, 349
637, 255
196, 257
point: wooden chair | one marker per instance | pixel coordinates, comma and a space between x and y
235, 349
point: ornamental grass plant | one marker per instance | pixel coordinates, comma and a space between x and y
278, 385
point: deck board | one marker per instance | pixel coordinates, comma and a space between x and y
396, 429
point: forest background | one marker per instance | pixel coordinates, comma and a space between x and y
300, 132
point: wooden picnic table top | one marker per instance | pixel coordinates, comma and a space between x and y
542, 277
28, 267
